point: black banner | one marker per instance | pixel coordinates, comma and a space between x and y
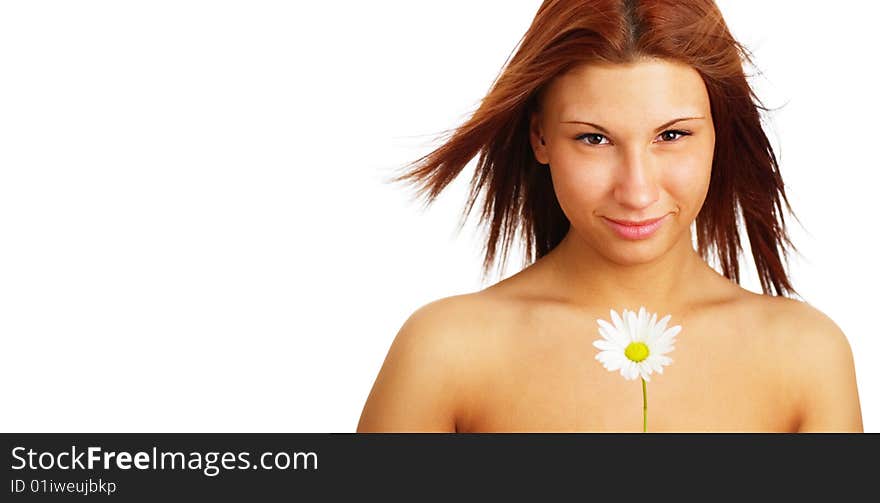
333, 467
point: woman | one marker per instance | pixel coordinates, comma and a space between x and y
615, 126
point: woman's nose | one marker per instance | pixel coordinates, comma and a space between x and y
636, 185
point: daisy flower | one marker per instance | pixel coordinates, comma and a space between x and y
636, 344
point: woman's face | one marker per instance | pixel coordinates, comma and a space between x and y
634, 161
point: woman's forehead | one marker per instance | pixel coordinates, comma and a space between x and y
658, 85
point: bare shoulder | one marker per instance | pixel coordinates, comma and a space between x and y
423, 380
460, 330
453, 323
801, 325
465, 308
818, 357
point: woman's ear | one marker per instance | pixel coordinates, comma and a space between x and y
536, 138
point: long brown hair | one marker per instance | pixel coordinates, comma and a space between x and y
745, 175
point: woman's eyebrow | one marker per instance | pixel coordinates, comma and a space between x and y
659, 128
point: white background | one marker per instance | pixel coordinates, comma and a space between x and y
194, 231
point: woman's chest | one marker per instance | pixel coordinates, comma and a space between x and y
545, 379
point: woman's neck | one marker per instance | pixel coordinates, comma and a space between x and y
669, 281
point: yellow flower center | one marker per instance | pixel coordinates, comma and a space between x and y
637, 351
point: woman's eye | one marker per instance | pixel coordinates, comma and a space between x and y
665, 134
668, 136
590, 137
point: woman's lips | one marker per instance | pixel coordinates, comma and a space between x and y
631, 230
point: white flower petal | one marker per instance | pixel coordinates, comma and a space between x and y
635, 371
605, 355
632, 324
607, 335
659, 350
604, 325
655, 364
605, 345
614, 364
611, 360
668, 336
643, 324
629, 325
618, 323
611, 334
651, 337
672, 332
661, 325
663, 349
631, 370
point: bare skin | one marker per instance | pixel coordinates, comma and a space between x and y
517, 356
541, 373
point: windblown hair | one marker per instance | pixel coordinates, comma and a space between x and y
519, 195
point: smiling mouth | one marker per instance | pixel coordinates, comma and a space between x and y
635, 223
636, 230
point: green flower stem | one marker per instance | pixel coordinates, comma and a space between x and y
645, 405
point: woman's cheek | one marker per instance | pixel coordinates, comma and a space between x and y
579, 190
688, 183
